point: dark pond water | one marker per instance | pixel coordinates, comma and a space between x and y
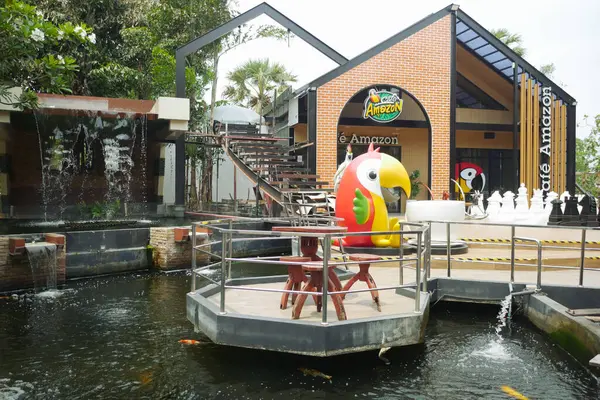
117, 338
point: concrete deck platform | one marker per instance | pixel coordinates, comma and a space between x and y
357, 305
253, 319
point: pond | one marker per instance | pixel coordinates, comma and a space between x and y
117, 338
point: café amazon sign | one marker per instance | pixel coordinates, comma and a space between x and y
382, 106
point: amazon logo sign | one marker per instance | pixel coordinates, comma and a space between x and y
382, 106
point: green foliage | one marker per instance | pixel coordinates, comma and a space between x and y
513, 40
38, 55
252, 83
99, 210
587, 157
415, 183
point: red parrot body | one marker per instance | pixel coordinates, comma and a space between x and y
344, 203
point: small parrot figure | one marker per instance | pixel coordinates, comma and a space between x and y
466, 173
362, 194
340, 171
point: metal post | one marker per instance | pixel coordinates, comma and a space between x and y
426, 257
230, 250
401, 254
582, 261
223, 269
326, 256
448, 248
418, 277
193, 257
539, 265
512, 254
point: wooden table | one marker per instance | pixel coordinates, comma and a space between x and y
309, 247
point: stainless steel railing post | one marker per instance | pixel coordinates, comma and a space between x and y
418, 274
401, 256
512, 254
326, 256
539, 257
539, 265
224, 246
230, 250
582, 260
193, 257
448, 249
425, 275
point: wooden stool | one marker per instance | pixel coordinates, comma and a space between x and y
315, 283
364, 275
295, 278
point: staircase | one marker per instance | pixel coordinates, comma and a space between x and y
272, 166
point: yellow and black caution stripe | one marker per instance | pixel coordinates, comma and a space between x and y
491, 259
490, 240
383, 258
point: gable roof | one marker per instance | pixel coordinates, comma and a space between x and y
462, 18
373, 51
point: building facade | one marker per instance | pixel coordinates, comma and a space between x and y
450, 101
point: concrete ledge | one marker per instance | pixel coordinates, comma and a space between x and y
577, 335
305, 337
114, 261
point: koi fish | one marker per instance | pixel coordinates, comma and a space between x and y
315, 373
189, 341
512, 392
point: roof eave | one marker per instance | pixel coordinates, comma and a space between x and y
545, 80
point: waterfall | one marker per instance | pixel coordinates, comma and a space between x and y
72, 152
42, 260
504, 315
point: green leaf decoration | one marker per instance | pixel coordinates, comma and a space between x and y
361, 207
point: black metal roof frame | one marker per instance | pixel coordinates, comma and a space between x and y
498, 46
241, 19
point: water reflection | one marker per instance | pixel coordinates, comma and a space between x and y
118, 338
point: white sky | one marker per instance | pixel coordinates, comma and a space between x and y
566, 33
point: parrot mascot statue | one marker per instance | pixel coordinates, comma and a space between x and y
362, 194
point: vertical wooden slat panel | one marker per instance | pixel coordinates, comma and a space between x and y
555, 149
529, 144
553, 144
522, 132
563, 147
535, 183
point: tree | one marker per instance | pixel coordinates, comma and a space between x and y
548, 70
587, 157
513, 40
37, 55
252, 83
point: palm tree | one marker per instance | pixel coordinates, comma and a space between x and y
512, 40
252, 83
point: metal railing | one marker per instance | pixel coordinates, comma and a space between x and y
422, 258
513, 242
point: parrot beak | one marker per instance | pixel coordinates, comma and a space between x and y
391, 175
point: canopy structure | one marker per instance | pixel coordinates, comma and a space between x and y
234, 114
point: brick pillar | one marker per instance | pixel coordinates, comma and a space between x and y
169, 253
4, 169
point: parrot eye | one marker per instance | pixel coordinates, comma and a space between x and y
372, 175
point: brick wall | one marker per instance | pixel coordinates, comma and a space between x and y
420, 64
168, 254
15, 271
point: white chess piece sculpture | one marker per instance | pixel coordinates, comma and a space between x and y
507, 212
477, 209
493, 207
537, 214
522, 208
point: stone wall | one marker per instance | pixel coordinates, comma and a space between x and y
171, 254
15, 271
